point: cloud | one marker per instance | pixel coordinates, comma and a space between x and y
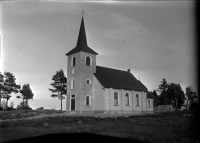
31, 8
122, 27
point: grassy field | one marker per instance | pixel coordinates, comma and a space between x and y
19, 114
165, 127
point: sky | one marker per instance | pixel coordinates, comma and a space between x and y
154, 39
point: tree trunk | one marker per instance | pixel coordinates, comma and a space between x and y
187, 105
164, 97
176, 98
0, 99
26, 103
23, 104
61, 101
6, 104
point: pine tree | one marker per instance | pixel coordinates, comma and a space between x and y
9, 87
191, 96
163, 89
26, 94
1, 86
59, 85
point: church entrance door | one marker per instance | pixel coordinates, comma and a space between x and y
72, 102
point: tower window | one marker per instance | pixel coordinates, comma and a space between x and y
88, 61
87, 100
115, 98
127, 99
72, 84
73, 62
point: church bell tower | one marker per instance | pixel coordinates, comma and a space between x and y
81, 67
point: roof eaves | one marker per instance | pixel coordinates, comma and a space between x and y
86, 49
114, 87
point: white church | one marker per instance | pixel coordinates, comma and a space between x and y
97, 89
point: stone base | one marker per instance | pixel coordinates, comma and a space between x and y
87, 112
72, 112
109, 112
99, 112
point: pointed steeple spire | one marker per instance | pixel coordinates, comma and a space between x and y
82, 41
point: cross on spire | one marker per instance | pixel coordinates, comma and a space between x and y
82, 12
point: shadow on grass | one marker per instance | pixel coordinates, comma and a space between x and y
195, 123
76, 137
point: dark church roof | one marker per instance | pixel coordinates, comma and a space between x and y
82, 42
118, 79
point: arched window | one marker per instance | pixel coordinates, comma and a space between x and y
137, 100
127, 99
73, 62
115, 98
88, 61
72, 84
149, 104
87, 100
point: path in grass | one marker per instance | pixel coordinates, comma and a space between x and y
43, 115
85, 115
